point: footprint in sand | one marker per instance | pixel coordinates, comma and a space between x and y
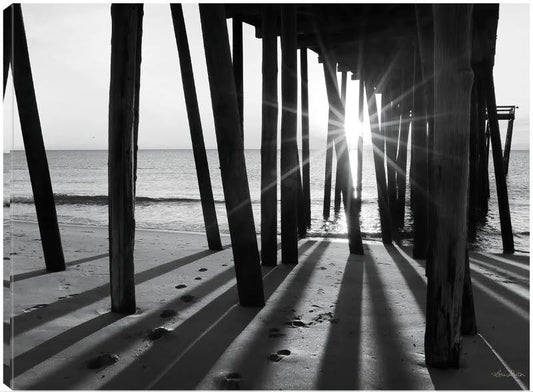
198, 278
202, 269
181, 286
232, 381
279, 355
103, 360
187, 298
168, 313
156, 333
275, 333
39, 306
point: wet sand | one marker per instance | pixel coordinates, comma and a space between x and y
334, 321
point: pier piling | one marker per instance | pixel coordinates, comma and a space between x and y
126, 20
231, 155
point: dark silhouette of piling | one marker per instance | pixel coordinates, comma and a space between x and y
305, 137
126, 20
269, 136
195, 126
453, 83
337, 200
231, 155
289, 158
32, 135
238, 66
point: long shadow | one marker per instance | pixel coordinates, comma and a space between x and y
340, 367
250, 363
121, 340
26, 321
55, 380
518, 275
396, 372
507, 333
204, 338
412, 278
33, 274
49, 348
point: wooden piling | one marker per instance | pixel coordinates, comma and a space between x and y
389, 128
359, 185
508, 140
30, 125
269, 132
305, 137
238, 66
337, 200
328, 170
401, 157
231, 155
289, 160
499, 169
8, 38
195, 126
126, 20
419, 166
453, 85
468, 314
378, 148
336, 118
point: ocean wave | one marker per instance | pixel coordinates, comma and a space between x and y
102, 200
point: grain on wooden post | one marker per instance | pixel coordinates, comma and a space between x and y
126, 21
30, 125
8, 39
195, 127
484, 191
378, 147
337, 200
419, 166
335, 123
269, 137
453, 85
403, 138
424, 22
499, 170
231, 155
468, 314
238, 65
305, 136
474, 167
289, 160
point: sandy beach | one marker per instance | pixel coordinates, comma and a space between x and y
334, 321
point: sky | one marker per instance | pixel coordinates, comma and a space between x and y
69, 47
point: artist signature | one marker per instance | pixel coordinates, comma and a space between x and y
502, 373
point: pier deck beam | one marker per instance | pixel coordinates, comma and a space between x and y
126, 22
269, 138
231, 155
448, 246
195, 126
32, 135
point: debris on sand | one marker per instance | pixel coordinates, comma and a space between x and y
156, 333
181, 286
202, 269
102, 361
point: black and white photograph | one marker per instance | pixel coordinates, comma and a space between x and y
266, 196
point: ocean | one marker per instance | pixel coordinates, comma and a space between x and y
168, 196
